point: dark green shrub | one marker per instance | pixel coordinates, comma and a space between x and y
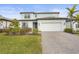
77, 32
1, 30
25, 31
20, 32
35, 31
68, 30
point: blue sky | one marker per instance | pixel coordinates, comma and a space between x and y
13, 10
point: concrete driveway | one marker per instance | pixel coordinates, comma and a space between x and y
59, 43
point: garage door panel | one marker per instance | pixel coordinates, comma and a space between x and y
51, 26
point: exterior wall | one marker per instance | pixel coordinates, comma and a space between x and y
46, 15
30, 24
67, 24
62, 22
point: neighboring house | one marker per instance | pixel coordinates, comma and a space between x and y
75, 25
4, 22
44, 21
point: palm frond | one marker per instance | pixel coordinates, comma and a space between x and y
75, 6
76, 11
68, 9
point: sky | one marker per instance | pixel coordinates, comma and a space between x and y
13, 10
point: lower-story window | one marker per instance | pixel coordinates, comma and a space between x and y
77, 25
24, 25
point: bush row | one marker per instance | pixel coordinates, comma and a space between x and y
68, 30
20, 32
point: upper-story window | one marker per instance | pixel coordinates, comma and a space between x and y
26, 15
35, 15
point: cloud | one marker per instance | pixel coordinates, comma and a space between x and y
13, 12
63, 12
10, 12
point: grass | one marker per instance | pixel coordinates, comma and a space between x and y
25, 44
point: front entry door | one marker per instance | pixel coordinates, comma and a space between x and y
35, 25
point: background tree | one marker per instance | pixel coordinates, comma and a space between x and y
14, 26
71, 12
77, 18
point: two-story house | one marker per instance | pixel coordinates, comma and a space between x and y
43, 21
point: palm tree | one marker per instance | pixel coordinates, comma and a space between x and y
77, 18
71, 12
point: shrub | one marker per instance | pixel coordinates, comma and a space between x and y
13, 27
1, 30
77, 32
35, 31
68, 30
25, 31
20, 32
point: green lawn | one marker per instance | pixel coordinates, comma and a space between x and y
25, 44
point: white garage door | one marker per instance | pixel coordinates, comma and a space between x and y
51, 26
